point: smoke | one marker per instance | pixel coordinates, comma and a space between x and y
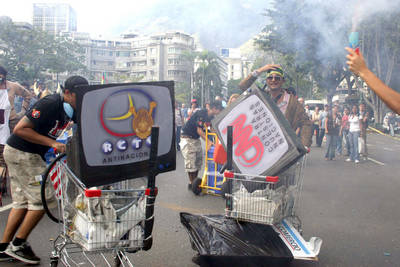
329, 20
223, 23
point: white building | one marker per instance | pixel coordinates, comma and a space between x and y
54, 17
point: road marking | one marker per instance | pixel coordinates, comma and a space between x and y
179, 208
376, 130
388, 149
7, 207
376, 161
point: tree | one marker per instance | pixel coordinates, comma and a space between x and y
30, 54
207, 77
311, 43
380, 37
233, 87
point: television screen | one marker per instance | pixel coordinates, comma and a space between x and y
114, 131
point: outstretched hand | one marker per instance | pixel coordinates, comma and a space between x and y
355, 61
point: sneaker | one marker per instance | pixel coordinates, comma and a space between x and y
348, 160
23, 253
190, 187
357, 161
5, 257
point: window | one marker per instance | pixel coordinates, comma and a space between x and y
142, 53
153, 51
110, 53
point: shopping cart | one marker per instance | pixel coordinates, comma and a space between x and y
265, 199
98, 226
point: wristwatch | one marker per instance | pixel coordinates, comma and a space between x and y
255, 74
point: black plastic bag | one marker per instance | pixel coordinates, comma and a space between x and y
222, 241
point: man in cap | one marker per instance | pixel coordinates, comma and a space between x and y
24, 153
190, 139
287, 103
193, 108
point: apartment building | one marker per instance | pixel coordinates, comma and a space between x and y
54, 17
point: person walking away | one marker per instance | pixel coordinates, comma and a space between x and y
315, 118
364, 115
178, 125
332, 128
391, 122
354, 134
345, 129
322, 119
339, 144
24, 153
184, 111
190, 139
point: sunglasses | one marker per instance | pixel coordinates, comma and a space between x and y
276, 78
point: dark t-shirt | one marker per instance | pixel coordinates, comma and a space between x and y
48, 118
198, 119
333, 125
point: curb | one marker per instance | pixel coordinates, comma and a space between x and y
382, 133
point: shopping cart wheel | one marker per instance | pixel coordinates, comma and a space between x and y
45, 176
54, 262
196, 186
224, 190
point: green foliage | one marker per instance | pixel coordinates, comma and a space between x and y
30, 54
233, 87
306, 50
207, 79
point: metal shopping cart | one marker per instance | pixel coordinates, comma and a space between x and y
265, 199
99, 226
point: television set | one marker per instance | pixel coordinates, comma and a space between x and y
264, 143
113, 136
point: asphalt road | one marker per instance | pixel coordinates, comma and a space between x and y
354, 208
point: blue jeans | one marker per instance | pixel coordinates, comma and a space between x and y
339, 144
353, 138
178, 137
330, 146
347, 139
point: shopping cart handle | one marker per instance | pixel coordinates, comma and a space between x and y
272, 179
223, 168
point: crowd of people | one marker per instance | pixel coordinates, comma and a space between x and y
341, 127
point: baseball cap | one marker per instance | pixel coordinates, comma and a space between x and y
194, 100
72, 82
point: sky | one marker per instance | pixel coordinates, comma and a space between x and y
222, 23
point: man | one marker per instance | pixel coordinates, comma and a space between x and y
190, 139
364, 115
193, 108
24, 153
332, 127
301, 101
15, 92
322, 120
357, 65
178, 125
288, 104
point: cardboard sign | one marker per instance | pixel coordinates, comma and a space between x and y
299, 248
263, 141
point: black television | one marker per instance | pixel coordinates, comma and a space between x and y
113, 136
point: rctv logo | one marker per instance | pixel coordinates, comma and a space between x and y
241, 136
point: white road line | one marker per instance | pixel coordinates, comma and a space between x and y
7, 207
376, 161
388, 149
